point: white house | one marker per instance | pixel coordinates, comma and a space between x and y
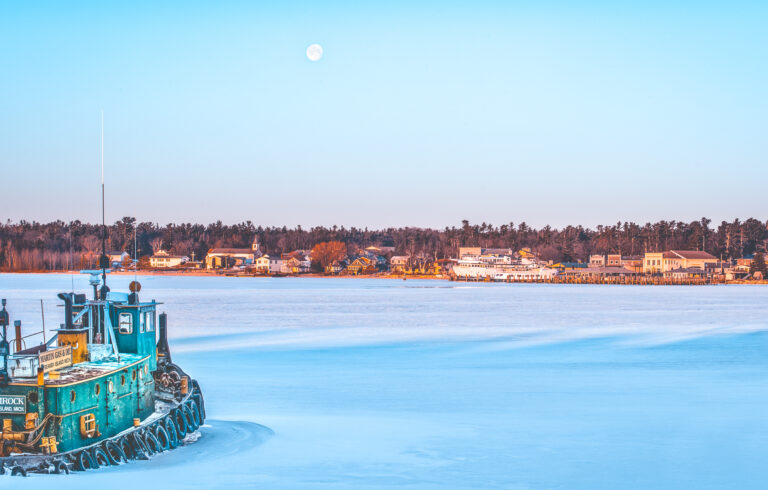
271, 264
163, 259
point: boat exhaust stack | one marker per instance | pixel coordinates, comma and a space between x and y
4, 347
67, 299
163, 351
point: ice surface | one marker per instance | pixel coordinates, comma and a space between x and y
354, 383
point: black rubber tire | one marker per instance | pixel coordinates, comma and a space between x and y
173, 436
181, 422
100, 457
124, 444
60, 467
84, 461
115, 453
150, 439
200, 401
137, 443
18, 471
162, 436
193, 406
189, 418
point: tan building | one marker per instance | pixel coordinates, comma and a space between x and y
228, 257
597, 260
695, 259
633, 263
660, 262
464, 251
232, 257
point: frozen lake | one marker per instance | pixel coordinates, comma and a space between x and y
353, 383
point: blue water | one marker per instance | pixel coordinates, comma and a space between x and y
346, 383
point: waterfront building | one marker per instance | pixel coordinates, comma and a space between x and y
269, 264
296, 262
661, 262
399, 264
217, 258
337, 267
164, 260
610, 260
597, 261
744, 264
633, 262
367, 264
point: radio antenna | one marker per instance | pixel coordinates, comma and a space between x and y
103, 259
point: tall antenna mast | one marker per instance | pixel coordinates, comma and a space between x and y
103, 259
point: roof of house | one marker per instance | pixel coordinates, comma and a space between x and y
270, 257
231, 251
693, 254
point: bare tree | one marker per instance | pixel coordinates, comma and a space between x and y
91, 244
156, 244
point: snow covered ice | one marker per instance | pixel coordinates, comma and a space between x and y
355, 383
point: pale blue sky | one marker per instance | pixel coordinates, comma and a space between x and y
419, 113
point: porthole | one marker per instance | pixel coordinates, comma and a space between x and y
110, 386
33, 397
146, 369
122, 380
97, 389
133, 375
141, 374
72, 396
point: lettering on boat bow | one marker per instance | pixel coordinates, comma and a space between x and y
13, 404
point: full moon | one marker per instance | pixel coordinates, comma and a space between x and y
314, 52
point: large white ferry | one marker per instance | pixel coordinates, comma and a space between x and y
502, 267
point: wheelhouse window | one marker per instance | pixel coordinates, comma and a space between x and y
125, 323
148, 320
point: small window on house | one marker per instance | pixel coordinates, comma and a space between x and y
126, 323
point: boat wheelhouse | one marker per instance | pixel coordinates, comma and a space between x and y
103, 389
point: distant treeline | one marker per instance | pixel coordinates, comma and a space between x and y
59, 245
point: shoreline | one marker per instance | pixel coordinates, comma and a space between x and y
205, 273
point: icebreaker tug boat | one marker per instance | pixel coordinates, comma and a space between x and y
101, 391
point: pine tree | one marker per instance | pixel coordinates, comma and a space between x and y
758, 264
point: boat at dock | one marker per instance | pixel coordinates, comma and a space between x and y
102, 391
